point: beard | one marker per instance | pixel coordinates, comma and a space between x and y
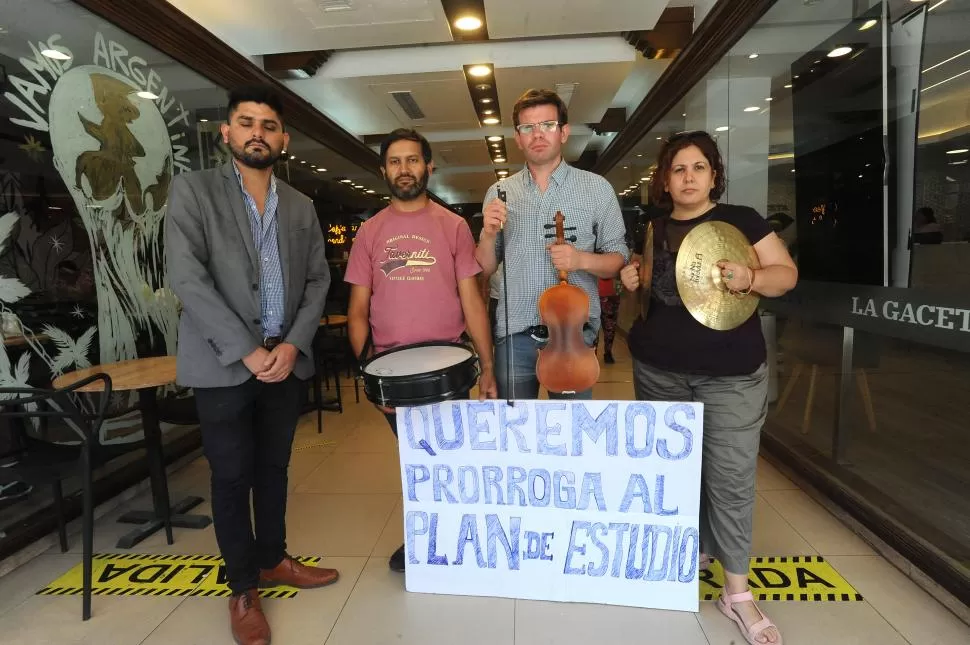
407, 193
258, 158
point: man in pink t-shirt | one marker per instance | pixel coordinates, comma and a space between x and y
412, 271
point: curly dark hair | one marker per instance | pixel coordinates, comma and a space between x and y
705, 142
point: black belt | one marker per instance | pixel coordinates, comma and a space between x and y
272, 341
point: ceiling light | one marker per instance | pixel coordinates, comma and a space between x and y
292, 157
768, 98
479, 70
644, 179
56, 55
148, 95
203, 120
958, 163
495, 138
868, 24
346, 181
468, 23
490, 121
788, 87
957, 151
370, 192
485, 100
793, 170
321, 170
499, 159
722, 128
488, 111
357, 186
753, 55
302, 160
839, 51
313, 165
752, 108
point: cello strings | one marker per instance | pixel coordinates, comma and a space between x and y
510, 371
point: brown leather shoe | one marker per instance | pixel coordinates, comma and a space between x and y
249, 626
292, 573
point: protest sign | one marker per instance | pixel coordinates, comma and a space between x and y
583, 501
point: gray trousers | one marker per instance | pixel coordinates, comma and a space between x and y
734, 411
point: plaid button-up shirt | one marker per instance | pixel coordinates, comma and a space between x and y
265, 229
588, 204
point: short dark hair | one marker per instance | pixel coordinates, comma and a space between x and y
674, 144
255, 94
533, 98
405, 134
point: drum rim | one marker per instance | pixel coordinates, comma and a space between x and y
473, 357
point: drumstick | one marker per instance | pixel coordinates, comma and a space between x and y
510, 373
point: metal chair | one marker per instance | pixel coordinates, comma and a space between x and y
43, 461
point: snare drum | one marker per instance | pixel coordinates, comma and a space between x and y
419, 374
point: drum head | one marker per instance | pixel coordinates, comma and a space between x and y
410, 361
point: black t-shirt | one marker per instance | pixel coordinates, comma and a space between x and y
670, 338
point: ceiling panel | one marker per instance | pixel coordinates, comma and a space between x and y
256, 27
595, 86
441, 96
517, 19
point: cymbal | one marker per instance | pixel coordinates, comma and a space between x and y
699, 279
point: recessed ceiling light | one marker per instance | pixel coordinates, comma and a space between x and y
768, 98
788, 87
479, 70
659, 138
499, 159
957, 151
346, 181
868, 24
203, 120
640, 154
793, 170
490, 121
56, 55
147, 95
488, 111
495, 138
722, 128
302, 160
839, 51
485, 100
752, 108
292, 157
370, 192
468, 23
958, 163
644, 179
753, 55
321, 170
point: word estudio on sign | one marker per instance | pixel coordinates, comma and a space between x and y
581, 501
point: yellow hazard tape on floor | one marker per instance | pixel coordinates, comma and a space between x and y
141, 574
798, 578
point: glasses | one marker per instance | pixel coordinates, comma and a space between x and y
544, 126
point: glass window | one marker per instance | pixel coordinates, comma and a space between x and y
845, 124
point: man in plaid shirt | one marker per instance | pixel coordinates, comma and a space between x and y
595, 246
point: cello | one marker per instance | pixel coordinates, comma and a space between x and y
566, 364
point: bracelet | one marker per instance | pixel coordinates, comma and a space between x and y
750, 284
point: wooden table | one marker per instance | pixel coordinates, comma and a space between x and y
145, 375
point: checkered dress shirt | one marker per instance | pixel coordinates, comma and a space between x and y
589, 206
265, 229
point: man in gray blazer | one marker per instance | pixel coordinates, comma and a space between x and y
245, 254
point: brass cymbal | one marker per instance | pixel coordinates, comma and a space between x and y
699, 279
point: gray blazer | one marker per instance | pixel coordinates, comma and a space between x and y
213, 269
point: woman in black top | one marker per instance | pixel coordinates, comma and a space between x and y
676, 358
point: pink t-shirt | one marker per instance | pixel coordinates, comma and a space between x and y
412, 263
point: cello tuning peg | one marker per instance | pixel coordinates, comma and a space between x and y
571, 238
548, 226
570, 228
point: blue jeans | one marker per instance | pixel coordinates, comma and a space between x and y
525, 354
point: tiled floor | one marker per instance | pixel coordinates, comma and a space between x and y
345, 505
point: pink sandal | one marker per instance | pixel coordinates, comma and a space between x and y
725, 602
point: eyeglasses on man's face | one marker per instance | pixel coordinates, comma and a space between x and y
543, 126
